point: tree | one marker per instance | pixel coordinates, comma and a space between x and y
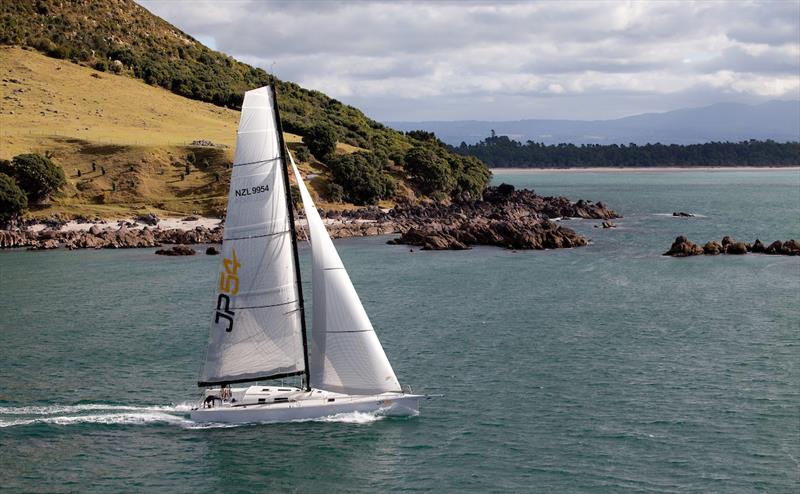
431, 172
36, 175
321, 141
12, 200
361, 177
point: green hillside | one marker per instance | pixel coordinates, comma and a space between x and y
120, 49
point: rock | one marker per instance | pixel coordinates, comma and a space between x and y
736, 248
95, 230
726, 240
791, 248
190, 218
757, 247
212, 251
683, 247
608, 224
774, 248
12, 238
44, 244
682, 214
177, 250
148, 219
712, 248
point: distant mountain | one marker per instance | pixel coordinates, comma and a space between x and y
777, 120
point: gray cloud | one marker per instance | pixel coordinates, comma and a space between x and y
507, 60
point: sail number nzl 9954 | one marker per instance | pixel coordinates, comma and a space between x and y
251, 191
228, 287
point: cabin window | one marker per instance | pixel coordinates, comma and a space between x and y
284, 390
281, 399
262, 400
264, 389
331, 399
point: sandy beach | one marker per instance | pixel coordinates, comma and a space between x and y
519, 171
163, 224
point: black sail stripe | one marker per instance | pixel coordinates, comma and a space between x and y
251, 379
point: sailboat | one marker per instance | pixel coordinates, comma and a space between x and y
258, 333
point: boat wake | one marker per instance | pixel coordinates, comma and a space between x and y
93, 413
348, 418
105, 414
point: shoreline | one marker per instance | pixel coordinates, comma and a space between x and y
657, 169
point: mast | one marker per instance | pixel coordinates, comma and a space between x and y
290, 209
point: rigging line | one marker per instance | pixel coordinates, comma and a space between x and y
256, 162
257, 236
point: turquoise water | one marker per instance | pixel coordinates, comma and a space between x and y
606, 369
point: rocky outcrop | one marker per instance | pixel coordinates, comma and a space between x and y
212, 251
682, 247
514, 219
682, 214
177, 250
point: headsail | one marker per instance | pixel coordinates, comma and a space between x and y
346, 356
256, 328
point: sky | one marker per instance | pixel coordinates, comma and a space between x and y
509, 60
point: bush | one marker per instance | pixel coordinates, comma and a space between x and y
302, 154
361, 178
321, 141
12, 200
101, 65
36, 175
335, 193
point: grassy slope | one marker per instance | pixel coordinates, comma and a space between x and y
124, 35
138, 133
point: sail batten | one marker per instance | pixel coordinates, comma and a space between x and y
346, 356
256, 320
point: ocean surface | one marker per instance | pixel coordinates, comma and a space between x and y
608, 368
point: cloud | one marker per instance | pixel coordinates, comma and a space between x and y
506, 60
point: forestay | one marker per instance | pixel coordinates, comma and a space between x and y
346, 356
256, 326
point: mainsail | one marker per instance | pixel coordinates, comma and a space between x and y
257, 327
346, 356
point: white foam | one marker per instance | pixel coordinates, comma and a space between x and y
352, 418
88, 413
61, 409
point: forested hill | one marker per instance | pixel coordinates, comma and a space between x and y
123, 37
500, 152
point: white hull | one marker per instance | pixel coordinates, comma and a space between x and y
303, 405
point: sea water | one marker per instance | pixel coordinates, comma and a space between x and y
607, 368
